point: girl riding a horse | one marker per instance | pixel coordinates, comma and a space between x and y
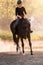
20, 27
20, 13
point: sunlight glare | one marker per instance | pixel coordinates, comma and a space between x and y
41, 1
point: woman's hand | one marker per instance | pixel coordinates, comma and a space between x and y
19, 16
25, 16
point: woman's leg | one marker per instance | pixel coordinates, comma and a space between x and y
16, 23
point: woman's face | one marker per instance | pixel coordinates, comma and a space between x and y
20, 5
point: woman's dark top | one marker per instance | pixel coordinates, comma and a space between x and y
19, 11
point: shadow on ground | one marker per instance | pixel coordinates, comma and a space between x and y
20, 59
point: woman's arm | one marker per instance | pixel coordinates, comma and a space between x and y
25, 13
16, 13
19, 16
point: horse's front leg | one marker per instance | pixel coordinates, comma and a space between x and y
16, 40
29, 39
17, 43
22, 45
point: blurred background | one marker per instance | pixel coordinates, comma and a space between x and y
34, 10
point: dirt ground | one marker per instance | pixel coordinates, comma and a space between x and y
20, 59
8, 56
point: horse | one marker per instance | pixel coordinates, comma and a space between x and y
21, 31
